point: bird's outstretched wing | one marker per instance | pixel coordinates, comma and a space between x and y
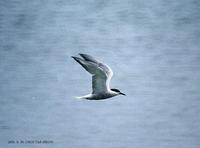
101, 73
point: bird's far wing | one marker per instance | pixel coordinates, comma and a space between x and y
101, 73
92, 68
101, 65
89, 58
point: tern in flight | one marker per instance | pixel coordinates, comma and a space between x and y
101, 76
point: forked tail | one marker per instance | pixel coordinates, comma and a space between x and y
85, 97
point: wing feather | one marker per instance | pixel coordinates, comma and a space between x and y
101, 73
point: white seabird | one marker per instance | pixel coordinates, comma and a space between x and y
101, 76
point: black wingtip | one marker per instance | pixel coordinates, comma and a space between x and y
82, 54
77, 59
73, 57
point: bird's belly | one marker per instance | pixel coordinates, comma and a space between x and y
101, 96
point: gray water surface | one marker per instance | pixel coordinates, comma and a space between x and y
152, 46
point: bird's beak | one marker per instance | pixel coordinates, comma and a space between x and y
122, 94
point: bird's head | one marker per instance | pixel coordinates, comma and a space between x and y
118, 91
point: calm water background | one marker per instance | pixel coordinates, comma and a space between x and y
152, 47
